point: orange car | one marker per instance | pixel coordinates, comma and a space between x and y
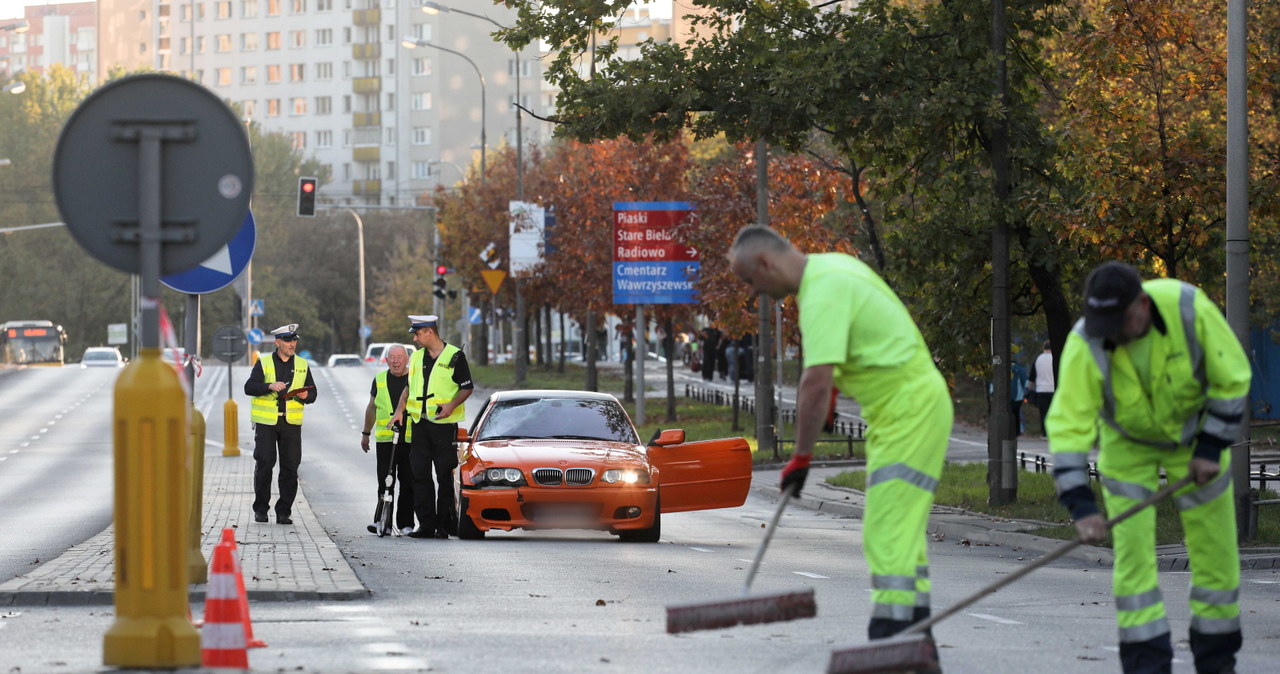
573, 460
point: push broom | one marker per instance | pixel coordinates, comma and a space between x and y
913, 649
746, 610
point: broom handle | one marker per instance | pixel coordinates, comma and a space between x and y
1016, 575
768, 535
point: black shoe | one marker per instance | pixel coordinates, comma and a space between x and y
420, 533
259, 517
283, 520
373, 528
441, 533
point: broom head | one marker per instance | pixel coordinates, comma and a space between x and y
909, 653
741, 611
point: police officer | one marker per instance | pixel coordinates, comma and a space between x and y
280, 385
392, 452
439, 384
1158, 364
860, 337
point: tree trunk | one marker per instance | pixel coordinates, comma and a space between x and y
589, 344
669, 346
563, 339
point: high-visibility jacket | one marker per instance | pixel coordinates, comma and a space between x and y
1196, 390
265, 408
383, 409
441, 386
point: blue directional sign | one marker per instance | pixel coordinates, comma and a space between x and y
255, 336
474, 316
218, 271
257, 307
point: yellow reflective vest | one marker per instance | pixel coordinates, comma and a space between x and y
383, 409
265, 408
441, 386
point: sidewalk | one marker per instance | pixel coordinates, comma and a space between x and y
280, 563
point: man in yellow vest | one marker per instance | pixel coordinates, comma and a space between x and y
1158, 365
393, 452
439, 384
858, 335
280, 385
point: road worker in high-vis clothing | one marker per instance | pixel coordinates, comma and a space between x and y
858, 336
1155, 376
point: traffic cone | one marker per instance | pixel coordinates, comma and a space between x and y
222, 636
229, 540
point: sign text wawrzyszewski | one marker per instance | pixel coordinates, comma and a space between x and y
650, 265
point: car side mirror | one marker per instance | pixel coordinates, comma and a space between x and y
462, 435
671, 436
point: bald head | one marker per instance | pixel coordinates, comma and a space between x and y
754, 238
769, 263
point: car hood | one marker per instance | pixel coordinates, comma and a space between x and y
555, 453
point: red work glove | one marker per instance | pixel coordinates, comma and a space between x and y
795, 472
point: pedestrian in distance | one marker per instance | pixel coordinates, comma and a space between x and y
281, 385
1017, 395
439, 384
392, 449
1042, 383
1156, 362
858, 335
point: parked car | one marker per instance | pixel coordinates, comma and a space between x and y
344, 360
573, 460
102, 356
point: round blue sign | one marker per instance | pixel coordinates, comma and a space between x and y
218, 271
255, 336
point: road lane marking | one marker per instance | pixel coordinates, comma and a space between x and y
810, 574
995, 619
397, 663
394, 648
694, 547
374, 632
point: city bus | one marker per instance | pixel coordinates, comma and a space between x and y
31, 343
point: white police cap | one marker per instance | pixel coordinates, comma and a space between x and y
427, 321
286, 332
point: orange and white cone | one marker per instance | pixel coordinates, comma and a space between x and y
229, 539
222, 635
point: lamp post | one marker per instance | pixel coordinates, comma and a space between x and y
413, 43
360, 250
15, 87
17, 27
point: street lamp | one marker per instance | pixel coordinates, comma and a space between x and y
484, 147
15, 87
360, 250
17, 27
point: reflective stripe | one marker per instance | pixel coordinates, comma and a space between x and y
1070, 479
1214, 425
922, 571
1131, 490
222, 586
922, 599
1204, 494
1187, 308
1215, 597
1227, 407
222, 636
1215, 625
1145, 632
893, 611
1134, 602
907, 583
901, 471
1066, 460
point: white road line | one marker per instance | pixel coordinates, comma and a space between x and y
694, 547
374, 632
396, 663
394, 648
810, 574
995, 619
346, 609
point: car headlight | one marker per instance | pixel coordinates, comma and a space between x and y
625, 476
501, 477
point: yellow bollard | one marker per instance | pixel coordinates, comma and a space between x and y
197, 565
151, 452
230, 429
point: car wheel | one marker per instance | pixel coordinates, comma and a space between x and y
467, 530
650, 535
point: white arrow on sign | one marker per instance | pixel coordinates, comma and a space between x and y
219, 261
691, 251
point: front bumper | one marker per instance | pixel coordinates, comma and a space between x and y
613, 508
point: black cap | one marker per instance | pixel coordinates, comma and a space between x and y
1108, 292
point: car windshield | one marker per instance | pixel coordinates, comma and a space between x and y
99, 355
564, 418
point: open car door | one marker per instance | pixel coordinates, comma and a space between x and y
701, 475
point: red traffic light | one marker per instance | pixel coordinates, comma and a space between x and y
308, 186
442, 270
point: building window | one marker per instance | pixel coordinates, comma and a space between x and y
250, 107
224, 43
299, 7
273, 107
299, 106
299, 140
273, 41
391, 101
346, 70
249, 75
324, 139
346, 142
324, 71
273, 7
297, 72
324, 105
391, 170
199, 44
421, 135
391, 136
422, 66
346, 36
346, 172
273, 74
524, 68
248, 8
391, 66
224, 77
184, 13
184, 45
421, 170
424, 31
324, 36
297, 38
248, 42
421, 101
222, 9
199, 78
324, 5
346, 105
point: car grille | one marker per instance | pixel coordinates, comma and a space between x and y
554, 477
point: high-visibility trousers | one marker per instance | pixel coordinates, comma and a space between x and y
1130, 473
906, 448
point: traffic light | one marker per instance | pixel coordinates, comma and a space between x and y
306, 197
440, 283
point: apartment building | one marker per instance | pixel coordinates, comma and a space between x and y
391, 122
56, 34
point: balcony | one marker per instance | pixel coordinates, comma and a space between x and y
371, 153
366, 119
366, 52
367, 17
366, 186
366, 85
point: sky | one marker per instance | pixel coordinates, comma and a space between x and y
10, 9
